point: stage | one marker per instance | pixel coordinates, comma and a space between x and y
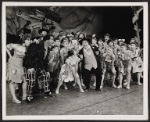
109, 101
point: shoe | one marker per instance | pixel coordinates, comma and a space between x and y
29, 98
65, 88
114, 86
74, 84
139, 84
94, 84
56, 92
16, 101
83, 84
81, 90
50, 94
119, 87
98, 89
125, 83
101, 87
24, 98
87, 90
128, 87
45, 95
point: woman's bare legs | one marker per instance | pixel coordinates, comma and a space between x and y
60, 82
12, 91
24, 89
138, 78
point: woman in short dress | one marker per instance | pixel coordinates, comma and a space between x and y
15, 67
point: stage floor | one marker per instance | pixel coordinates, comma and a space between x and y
109, 101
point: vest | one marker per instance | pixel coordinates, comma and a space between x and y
89, 60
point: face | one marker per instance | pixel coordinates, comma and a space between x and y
56, 49
109, 50
74, 43
66, 43
123, 48
27, 42
94, 41
50, 41
81, 36
129, 46
106, 38
57, 42
85, 43
44, 33
133, 46
115, 42
70, 38
100, 42
111, 44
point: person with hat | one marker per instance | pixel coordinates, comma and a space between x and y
137, 62
89, 63
124, 65
70, 36
43, 32
35, 63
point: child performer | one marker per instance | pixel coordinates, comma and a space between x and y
76, 47
109, 59
64, 53
137, 63
69, 71
54, 64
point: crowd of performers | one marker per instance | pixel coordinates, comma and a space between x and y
45, 62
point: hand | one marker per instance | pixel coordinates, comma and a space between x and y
48, 74
31, 70
81, 56
36, 41
14, 71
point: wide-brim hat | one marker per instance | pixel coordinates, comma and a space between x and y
123, 44
26, 31
40, 31
134, 43
121, 40
36, 35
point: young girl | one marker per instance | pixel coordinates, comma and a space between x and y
69, 71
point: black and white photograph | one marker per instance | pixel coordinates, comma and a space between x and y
74, 60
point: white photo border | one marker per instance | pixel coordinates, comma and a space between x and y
78, 117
